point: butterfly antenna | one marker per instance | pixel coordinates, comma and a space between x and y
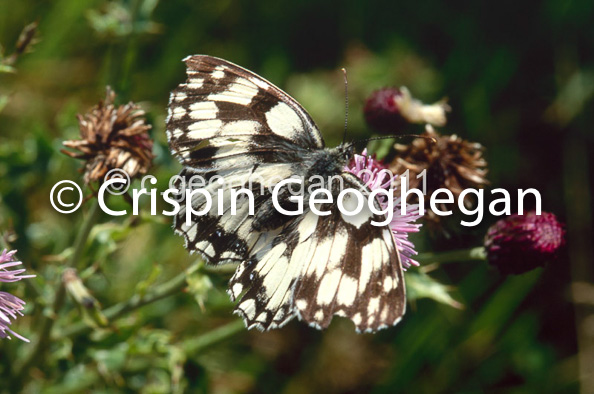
346, 105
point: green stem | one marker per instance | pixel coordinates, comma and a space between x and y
173, 286
194, 345
219, 269
177, 283
454, 256
49, 318
83, 235
191, 347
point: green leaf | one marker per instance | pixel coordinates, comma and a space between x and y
87, 303
199, 284
420, 285
5, 68
176, 359
112, 359
3, 102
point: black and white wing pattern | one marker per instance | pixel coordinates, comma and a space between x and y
230, 123
226, 117
321, 266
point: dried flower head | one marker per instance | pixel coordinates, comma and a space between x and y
520, 243
387, 110
10, 306
112, 137
374, 175
450, 161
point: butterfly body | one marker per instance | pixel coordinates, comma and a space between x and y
229, 123
329, 162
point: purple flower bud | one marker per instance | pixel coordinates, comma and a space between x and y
382, 112
520, 243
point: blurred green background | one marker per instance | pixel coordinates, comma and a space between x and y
520, 79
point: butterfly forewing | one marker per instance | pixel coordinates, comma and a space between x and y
222, 101
226, 121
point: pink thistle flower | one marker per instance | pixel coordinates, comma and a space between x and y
10, 306
375, 175
520, 243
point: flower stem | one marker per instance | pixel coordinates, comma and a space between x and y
116, 311
171, 287
190, 347
49, 318
194, 345
454, 256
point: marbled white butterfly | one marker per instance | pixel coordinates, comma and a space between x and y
227, 121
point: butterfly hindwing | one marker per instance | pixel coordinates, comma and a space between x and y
224, 236
321, 266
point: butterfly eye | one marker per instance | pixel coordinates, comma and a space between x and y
348, 152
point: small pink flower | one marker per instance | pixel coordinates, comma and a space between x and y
10, 306
375, 175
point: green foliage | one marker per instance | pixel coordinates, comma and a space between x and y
420, 285
519, 79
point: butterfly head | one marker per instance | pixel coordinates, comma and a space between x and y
346, 151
